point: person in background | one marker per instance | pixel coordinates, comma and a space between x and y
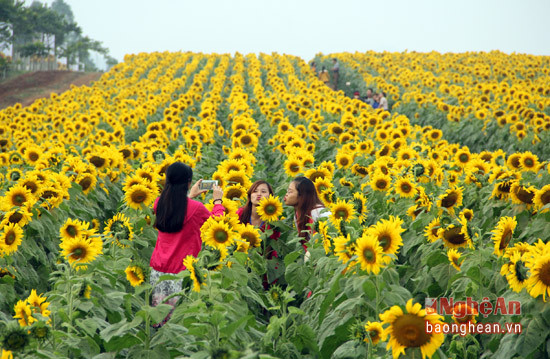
324, 76
383, 101
178, 220
314, 67
375, 101
356, 95
368, 99
335, 73
308, 208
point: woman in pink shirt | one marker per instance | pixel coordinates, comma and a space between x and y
179, 219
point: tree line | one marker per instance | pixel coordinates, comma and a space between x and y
41, 31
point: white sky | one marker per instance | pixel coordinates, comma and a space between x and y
304, 28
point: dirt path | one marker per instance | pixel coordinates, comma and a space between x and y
28, 87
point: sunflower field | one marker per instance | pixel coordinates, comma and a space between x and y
445, 196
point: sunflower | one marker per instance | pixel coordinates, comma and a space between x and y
344, 248
139, 195
270, 208
235, 192
455, 236
503, 232
81, 250
454, 257
20, 216
462, 157
119, 228
86, 181
23, 312
134, 275
405, 187
529, 162
328, 197
515, 271
38, 303
72, 228
323, 184
318, 173
342, 210
522, 194
408, 330
238, 177
250, 234
539, 280
190, 264
450, 199
369, 254
380, 181
360, 206
17, 196
374, 332
432, 229
344, 159
32, 183
514, 161
464, 313
542, 197
10, 238
467, 213
388, 234
232, 165
216, 234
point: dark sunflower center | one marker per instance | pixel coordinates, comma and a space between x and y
33, 156
246, 140
449, 200
406, 188
78, 253
71, 230
270, 209
139, 196
341, 213
454, 236
506, 237
504, 187
385, 241
525, 196
369, 255
294, 167
545, 198
15, 217
234, 193
97, 161
463, 158
31, 186
344, 161
85, 183
220, 236
250, 238
529, 162
10, 238
409, 331
19, 199
544, 274
381, 184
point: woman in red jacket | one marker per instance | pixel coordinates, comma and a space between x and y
179, 219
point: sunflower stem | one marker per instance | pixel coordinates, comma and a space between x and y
70, 299
147, 321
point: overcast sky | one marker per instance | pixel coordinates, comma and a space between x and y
305, 28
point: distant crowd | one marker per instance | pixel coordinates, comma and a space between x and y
375, 99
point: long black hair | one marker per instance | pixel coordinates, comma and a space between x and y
247, 211
172, 205
308, 200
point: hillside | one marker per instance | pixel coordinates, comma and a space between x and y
28, 87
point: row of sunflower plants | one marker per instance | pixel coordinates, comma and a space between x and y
413, 216
486, 101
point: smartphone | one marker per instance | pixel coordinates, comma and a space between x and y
207, 184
